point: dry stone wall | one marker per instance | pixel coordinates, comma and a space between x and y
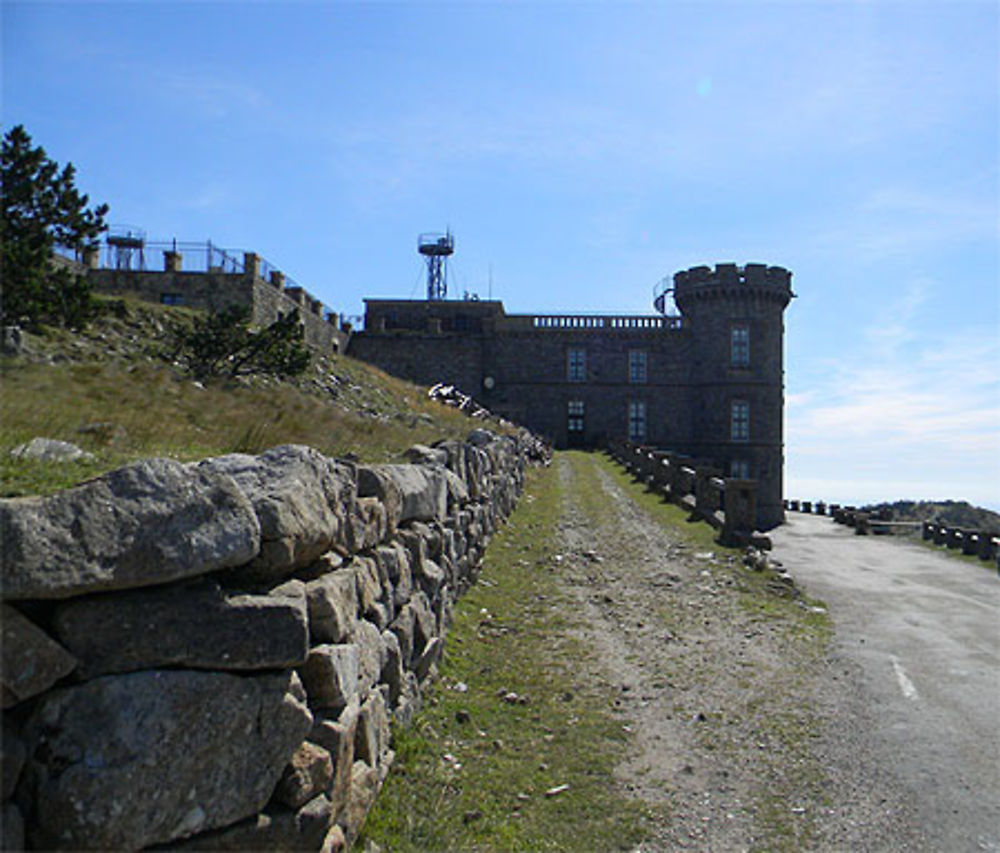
208, 656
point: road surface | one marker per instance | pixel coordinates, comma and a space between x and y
923, 629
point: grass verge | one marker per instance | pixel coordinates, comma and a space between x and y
472, 772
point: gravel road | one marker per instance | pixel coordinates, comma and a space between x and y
923, 630
752, 726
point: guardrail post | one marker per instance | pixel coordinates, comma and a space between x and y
970, 541
927, 531
741, 510
940, 534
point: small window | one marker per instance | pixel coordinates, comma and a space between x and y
636, 420
637, 366
574, 415
740, 421
740, 469
576, 364
740, 346
171, 298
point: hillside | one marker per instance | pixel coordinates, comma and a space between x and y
950, 513
114, 391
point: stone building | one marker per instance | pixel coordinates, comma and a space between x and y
707, 383
246, 281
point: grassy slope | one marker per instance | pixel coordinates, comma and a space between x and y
116, 375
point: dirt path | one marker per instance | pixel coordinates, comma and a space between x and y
747, 731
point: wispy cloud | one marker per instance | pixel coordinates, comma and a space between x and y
911, 406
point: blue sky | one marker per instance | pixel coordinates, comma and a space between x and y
580, 152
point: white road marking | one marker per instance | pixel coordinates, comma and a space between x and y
905, 685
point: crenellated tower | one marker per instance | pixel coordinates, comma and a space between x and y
735, 316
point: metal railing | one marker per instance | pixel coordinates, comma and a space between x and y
627, 322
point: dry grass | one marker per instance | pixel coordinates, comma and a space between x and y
146, 408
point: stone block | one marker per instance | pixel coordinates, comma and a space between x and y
12, 831
308, 774
150, 523
372, 735
127, 761
196, 625
363, 790
32, 660
299, 497
375, 483
276, 829
428, 658
369, 587
392, 667
11, 759
337, 737
371, 655
330, 675
333, 606
423, 490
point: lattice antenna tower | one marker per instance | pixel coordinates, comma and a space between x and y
436, 248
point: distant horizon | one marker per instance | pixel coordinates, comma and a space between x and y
580, 153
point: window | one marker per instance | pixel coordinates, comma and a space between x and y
637, 366
740, 421
574, 416
171, 298
636, 420
740, 469
576, 364
739, 346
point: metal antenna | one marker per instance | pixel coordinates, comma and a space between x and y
436, 248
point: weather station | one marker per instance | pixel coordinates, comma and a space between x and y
126, 246
436, 248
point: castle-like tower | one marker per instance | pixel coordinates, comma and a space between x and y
735, 318
707, 383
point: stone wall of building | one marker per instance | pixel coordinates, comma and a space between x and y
680, 395
208, 656
214, 290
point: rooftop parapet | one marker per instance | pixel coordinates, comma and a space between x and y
754, 275
729, 281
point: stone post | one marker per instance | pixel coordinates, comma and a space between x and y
278, 279
706, 499
92, 257
927, 531
740, 508
172, 261
251, 264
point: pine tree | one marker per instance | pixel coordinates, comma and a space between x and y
224, 344
42, 208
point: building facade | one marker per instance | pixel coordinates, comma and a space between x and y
707, 383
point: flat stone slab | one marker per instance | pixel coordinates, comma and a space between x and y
196, 625
148, 523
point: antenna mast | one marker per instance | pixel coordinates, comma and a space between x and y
436, 248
